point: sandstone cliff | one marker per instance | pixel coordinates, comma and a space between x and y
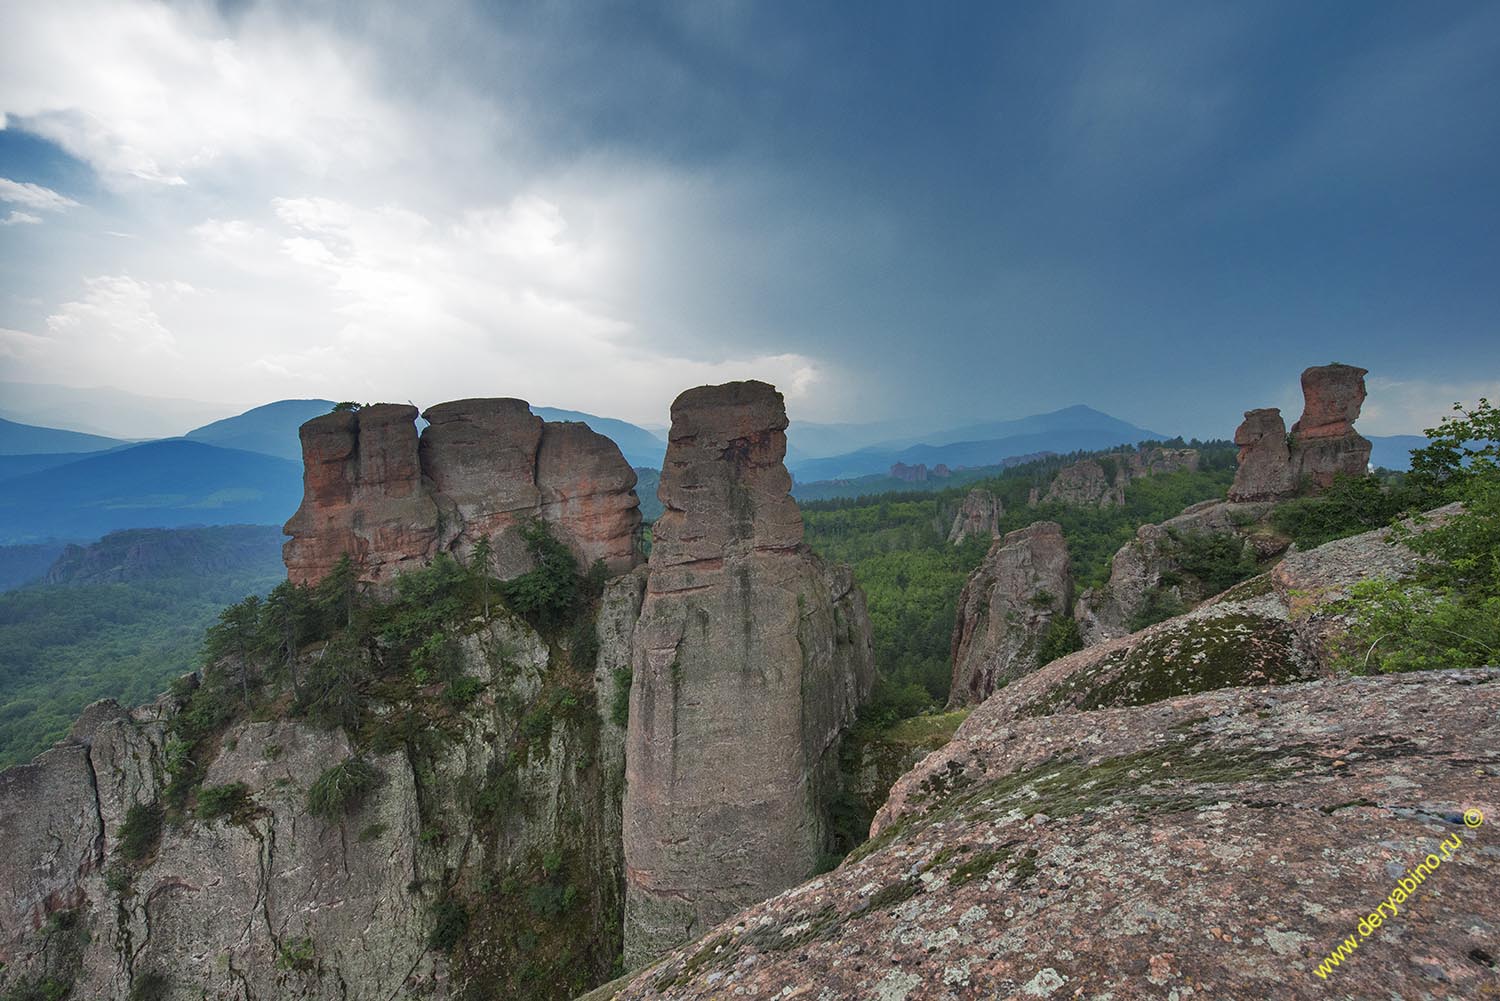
1101, 481
391, 500
978, 516
1275, 464
750, 658
1005, 608
457, 869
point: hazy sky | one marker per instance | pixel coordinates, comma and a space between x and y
956, 209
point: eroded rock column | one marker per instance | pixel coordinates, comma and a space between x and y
750, 658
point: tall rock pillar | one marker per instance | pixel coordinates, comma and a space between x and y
749, 659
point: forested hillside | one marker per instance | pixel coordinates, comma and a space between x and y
898, 545
63, 645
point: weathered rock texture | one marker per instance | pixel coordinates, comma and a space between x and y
275, 902
1147, 566
1005, 607
1215, 845
373, 490
750, 658
1271, 629
1274, 465
978, 516
1101, 482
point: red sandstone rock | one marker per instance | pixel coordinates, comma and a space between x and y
1264, 471
482, 467
362, 495
750, 658
588, 494
1332, 396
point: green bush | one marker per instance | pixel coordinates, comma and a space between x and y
450, 924
150, 986
1219, 560
547, 595
619, 705
140, 831
1060, 639
1160, 604
1448, 613
342, 789
231, 800
1353, 504
297, 954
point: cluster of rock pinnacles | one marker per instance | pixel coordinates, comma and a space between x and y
750, 656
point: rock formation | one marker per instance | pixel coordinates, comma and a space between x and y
392, 501
1275, 465
1148, 567
1101, 481
1005, 608
978, 516
1167, 839
276, 901
750, 658
1264, 461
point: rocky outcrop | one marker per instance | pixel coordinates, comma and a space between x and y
750, 658
1216, 845
919, 473
391, 501
495, 822
1275, 465
978, 516
1101, 481
1274, 628
1148, 568
1005, 608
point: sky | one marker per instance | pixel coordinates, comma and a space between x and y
944, 212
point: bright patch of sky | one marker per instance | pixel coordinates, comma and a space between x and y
962, 211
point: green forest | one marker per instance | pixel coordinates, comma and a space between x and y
62, 647
898, 545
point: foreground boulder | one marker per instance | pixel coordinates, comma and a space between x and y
750, 659
1005, 608
391, 501
1218, 846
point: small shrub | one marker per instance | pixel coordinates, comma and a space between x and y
140, 832
341, 789
1060, 639
547, 595
1160, 605
150, 986
619, 705
450, 924
297, 954
461, 692
231, 800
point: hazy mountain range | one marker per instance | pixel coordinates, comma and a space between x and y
64, 483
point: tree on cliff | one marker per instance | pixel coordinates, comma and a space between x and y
1449, 615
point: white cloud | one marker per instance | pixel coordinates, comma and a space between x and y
33, 196
118, 309
150, 92
19, 218
1410, 406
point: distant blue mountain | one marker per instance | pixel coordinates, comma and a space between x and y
987, 444
28, 439
270, 430
639, 446
162, 484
